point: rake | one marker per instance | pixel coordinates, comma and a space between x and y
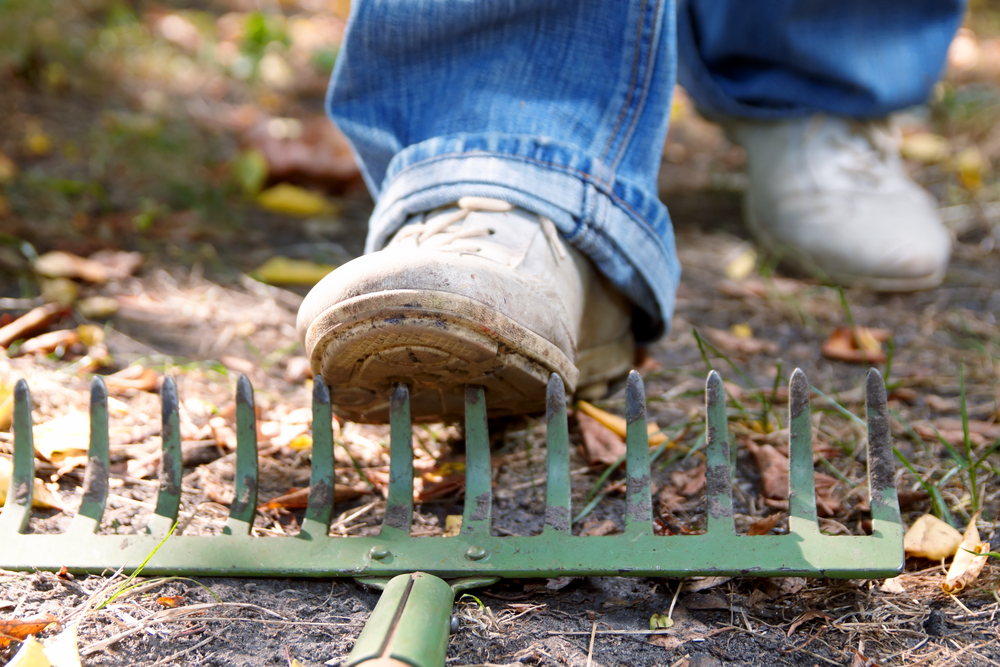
411, 620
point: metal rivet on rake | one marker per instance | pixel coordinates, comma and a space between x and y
380, 553
475, 553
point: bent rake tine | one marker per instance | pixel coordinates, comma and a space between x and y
17, 508
801, 477
557, 479
95, 482
244, 507
638, 499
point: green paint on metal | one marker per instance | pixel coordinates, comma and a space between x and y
171, 463
321, 496
244, 507
801, 477
638, 498
95, 482
410, 623
474, 552
557, 481
477, 517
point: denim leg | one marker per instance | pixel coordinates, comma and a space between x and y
558, 107
787, 58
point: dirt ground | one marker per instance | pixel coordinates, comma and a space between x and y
160, 129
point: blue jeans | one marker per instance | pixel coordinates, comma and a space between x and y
561, 106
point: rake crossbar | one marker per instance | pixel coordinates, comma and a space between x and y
555, 552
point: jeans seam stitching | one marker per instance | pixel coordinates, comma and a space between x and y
642, 99
631, 83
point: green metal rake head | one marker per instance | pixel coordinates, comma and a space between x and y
474, 551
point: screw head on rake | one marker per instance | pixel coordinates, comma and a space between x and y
475, 553
379, 553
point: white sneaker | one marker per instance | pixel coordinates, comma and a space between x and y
478, 293
831, 197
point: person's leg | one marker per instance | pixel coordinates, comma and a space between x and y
802, 85
559, 108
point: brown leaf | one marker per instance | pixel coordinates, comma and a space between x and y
133, 377
773, 467
705, 601
313, 150
597, 528
729, 342
170, 601
808, 616
602, 444
689, 482
32, 321
49, 342
765, 525
20, 628
299, 498
118, 264
58, 264
618, 425
967, 566
864, 347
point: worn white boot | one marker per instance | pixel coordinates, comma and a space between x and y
478, 293
830, 197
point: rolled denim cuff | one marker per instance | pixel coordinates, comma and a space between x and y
621, 227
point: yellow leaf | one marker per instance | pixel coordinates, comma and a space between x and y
618, 424
452, 525
930, 537
284, 271
31, 654
6, 405
970, 165
303, 441
41, 497
742, 265
741, 331
925, 147
295, 663
62, 650
966, 566
36, 141
293, 200
64, 437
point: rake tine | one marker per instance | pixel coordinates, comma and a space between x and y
719, 490
638, 503
557, 484
478, 511
399, 503
244, 507
881, 481
168, 500
95, 482
17, 508
321, 484
801, 478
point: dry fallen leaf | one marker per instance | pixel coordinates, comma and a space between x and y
925, 147
736, 344
284, 271
40, 495
59, 264
293, 200
807, 616
133, 377
773, 467
170, 601
31, 654
50, 342
866, 346
766, 525
893, 586
618, 424
20, 628
685, 628
969, 559
930, 537
603, 445
62, 438
32, 321
742, 265
452, 525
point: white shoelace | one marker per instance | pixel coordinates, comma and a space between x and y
442, 231
870, 158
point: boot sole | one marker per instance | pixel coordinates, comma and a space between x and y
436, 343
